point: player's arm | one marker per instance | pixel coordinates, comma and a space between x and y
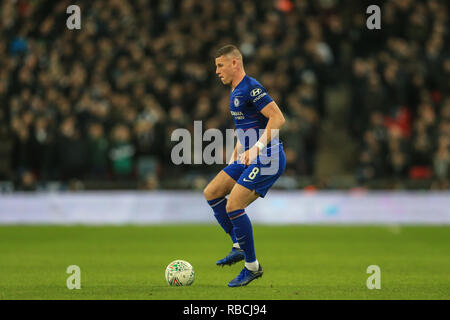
276, 120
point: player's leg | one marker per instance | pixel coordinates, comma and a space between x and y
215, 193
219, 187
240, 197
254, 182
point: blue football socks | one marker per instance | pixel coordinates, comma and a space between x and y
219, 207
244, 233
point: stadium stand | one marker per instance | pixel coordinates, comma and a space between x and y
94, 108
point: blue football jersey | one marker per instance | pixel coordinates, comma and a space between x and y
247, 100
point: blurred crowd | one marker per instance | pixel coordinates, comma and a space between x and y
101, 102
401, 96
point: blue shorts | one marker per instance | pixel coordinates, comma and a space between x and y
257, 176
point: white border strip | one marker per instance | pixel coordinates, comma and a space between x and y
178, 207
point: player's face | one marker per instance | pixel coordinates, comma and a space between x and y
224, 69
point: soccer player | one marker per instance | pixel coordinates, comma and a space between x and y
244, 179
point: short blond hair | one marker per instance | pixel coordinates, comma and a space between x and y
229, 50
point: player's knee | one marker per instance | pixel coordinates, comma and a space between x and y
207, 193
210, 192
232, 205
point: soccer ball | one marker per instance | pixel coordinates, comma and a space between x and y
180, 273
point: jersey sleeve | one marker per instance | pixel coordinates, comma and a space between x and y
259, 97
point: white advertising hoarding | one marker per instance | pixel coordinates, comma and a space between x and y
179, 207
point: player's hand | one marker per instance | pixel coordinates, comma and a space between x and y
248, 156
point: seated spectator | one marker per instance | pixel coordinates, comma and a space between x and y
122, 152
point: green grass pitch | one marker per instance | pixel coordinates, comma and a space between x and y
300, 262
